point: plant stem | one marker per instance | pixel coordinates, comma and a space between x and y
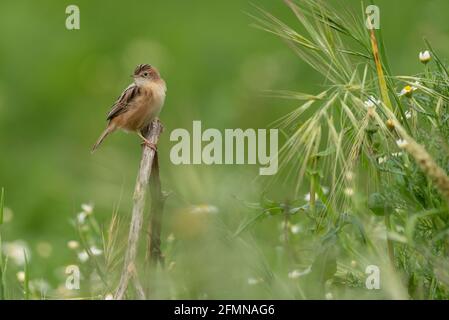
129, 268
158, 197
390, 245
313, 186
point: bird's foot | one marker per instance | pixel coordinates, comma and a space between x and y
149, 144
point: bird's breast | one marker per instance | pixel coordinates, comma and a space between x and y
145, 107
151, 103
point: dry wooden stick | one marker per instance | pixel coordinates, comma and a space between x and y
158, 197
146, 163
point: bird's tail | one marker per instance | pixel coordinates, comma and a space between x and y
105, 133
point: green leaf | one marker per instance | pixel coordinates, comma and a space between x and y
376, 203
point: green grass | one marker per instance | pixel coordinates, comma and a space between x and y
347, 197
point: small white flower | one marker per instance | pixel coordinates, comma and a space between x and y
294, 274
408, 91
329, 296
408, 114
81, 217
72, 244
396, 154
349, 192
87, 208
425, 56
95, 251
401, 143
295, 229
16, 251
254, 281
20, 276
371, 102
381, 160
307, 196
83, 256
109, 296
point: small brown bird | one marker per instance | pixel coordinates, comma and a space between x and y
138, 105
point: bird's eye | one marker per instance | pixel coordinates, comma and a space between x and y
145, 74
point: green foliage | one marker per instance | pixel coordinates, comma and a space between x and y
346, 195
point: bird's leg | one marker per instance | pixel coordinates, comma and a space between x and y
146, 142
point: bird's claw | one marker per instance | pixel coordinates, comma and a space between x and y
149, 145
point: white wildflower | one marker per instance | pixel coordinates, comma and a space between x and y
307, 196
381, 160
16, 251
20, 276
253, 281
294, 274
95, 251
349, 192
87, 208
425, 56
109, 296
295, 229
371, 102
83, 256
72, 244
401, 143
408, 114
329, 296
408, 90
81, 217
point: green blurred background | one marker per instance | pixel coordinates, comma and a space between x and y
56, 86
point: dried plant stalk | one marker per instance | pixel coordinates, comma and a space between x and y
129, 268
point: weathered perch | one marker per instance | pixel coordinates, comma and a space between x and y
158, 197
146, 164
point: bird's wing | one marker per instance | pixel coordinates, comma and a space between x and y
123, 101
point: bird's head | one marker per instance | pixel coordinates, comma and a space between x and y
144, 74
